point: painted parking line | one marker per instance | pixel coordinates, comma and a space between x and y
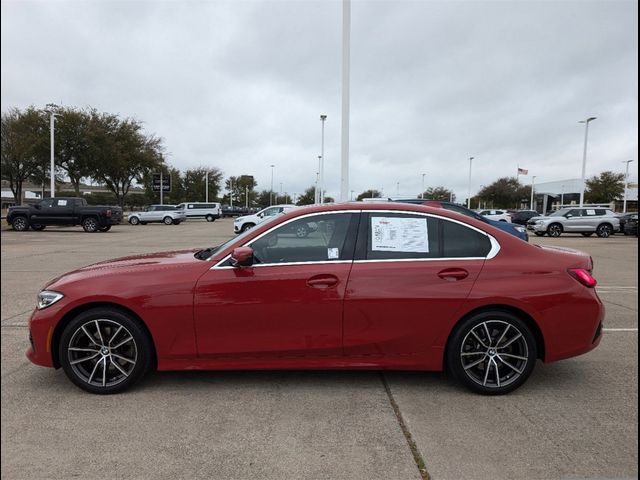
620, 329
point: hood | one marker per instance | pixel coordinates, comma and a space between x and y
161, 262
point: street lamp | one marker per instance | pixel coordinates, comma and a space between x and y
317, 193
626, 185
584, 156
562, 197
469, 195
533, 181
398, 189
52, 121
271, 190
322, 119
422, 193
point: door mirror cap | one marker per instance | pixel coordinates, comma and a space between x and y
242, 257
568, 215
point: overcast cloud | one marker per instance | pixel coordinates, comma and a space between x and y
241, 85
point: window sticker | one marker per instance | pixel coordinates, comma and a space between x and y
333, 253
591, 212
393, 234
62, 203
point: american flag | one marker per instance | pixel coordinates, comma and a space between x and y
523, 171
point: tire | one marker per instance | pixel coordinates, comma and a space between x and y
209, 218
38, 228
143, 223
177, 222
106, 228
502, 220
90, 334
604, 230
134, 221
586, 234
20, 224
90, 225
302, 231
554, 230
540, 234
167, 220
476, 360
247, 226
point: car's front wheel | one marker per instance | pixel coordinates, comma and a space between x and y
302, 231
492, 352
20, 224
104, 351
246, 227
604, 231
554, 230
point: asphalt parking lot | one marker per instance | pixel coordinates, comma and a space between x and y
573, 419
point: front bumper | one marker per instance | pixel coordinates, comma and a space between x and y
536, 227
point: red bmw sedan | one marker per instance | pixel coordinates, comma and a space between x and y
366, 286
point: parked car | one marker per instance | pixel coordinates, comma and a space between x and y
521, 217
631, 225
515, 230
167, 214
497, 215
377, 286
623, 220
244, 223
235, 211
209, 211
64, 211
586, 221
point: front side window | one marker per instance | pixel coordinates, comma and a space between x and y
574, 213
269, 212
318, 238
399, 236
46, 203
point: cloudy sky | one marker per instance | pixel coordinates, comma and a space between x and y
240, 85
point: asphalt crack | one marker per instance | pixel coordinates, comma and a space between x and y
417, 457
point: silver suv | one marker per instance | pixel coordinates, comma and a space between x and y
586, 221
167, 214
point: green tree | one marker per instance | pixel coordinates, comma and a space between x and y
238, 188
369, 194
24, 147
439, 193
195, 180
177, 193
265, 198
308, 197
505, 192
605, 188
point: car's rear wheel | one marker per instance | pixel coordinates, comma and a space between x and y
38, 227
104, 351
167, 220
20, 224
134, 220
247, 226
90, 225
209, 218
554, 230
492, 352
587, 234
604, 231
302, 231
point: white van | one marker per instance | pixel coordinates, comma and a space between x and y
211, 211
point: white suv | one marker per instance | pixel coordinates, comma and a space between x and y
167, 214
208, 211
497, 215
246, 222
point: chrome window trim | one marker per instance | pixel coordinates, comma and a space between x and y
495, 246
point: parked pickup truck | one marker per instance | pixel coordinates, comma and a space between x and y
64, 211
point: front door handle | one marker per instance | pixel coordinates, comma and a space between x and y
323, 281
453, 274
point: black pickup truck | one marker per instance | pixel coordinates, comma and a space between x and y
64, 211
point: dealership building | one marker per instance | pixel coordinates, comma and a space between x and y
553, 195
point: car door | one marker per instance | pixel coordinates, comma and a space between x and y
411, 275
574, 222
42, 212
61, 211
289, 302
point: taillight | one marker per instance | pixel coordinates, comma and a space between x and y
583, 276
108, 213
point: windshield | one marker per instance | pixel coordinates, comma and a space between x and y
207, 253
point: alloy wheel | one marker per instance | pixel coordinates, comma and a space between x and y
102, 353
604, 231
554, 230
167, 220
90, 225
20, 224
494, 354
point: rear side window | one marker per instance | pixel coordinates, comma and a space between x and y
601, 211
394, 236
461, 241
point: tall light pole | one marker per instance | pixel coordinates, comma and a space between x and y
52, 122
469, 193
422, 193
346, 49
231, 192
316, 197
206, 186
285, 200
562, 196
161, 181
321, 158
398, 189
533, 182
584, 156
626, 185
271, 190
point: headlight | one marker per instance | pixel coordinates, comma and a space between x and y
47, 298
520, 229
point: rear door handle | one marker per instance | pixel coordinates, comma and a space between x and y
323, 281
453, 274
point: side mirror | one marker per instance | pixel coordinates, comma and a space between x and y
242, 257
261, 215
568, 215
